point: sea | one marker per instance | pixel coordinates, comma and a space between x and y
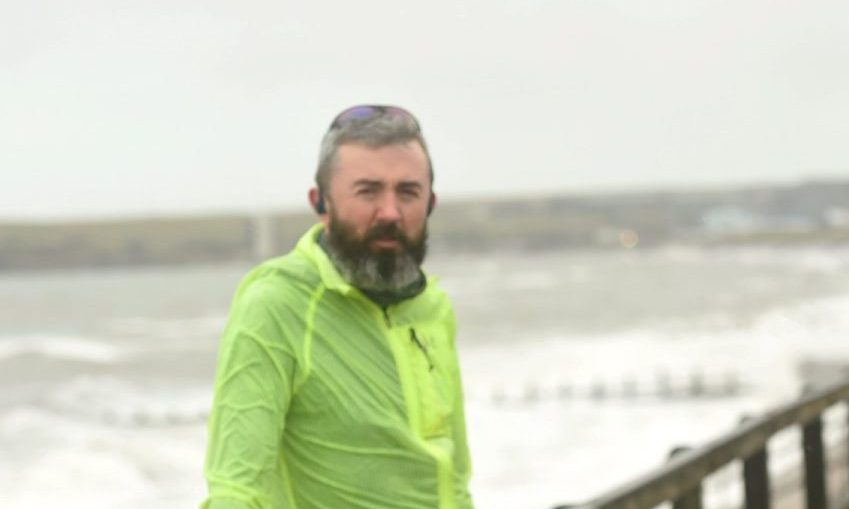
582, 369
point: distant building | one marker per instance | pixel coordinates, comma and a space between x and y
836, 217
731, 219
737, 220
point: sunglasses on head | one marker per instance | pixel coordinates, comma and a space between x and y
365, 112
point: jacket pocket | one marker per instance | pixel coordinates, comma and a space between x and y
433, 383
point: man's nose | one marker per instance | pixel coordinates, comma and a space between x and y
388, 210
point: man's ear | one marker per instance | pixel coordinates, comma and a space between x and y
431, 204
316, 199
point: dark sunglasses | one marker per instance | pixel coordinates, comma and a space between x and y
366, 112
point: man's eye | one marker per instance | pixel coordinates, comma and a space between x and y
409, 193
366, 191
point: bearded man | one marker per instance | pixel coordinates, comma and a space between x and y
338, 384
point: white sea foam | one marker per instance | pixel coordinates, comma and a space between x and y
529, 280
766, 353
810, 257
169, 328
113, 401
77, 464
60, 347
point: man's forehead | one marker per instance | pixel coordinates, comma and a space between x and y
405, 161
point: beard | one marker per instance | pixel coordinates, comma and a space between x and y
375, 269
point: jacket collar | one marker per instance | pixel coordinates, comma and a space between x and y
309, 246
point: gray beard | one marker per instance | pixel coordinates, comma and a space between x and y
376, 272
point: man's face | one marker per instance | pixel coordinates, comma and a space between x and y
377, 213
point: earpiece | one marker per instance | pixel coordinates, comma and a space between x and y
319, 205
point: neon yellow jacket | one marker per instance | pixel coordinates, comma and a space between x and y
323, 400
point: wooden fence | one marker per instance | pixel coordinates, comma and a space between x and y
680, 480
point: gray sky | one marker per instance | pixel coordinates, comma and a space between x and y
122, 108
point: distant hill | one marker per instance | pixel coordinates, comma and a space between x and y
815, 211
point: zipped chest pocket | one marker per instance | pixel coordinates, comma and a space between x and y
431, 376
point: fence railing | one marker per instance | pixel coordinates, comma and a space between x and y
680, 480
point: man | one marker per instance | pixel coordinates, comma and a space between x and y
338, 385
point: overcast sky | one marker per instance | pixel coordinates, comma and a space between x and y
125, 108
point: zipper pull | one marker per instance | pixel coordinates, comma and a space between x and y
386, 317
422, 347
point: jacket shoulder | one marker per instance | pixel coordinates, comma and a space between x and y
284, 274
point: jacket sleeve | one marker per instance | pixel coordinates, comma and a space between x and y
462, 460
253, 389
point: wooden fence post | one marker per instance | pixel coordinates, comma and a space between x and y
756, 477
756, 480
814, 464
691, 499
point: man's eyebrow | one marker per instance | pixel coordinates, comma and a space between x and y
368, 182
379, 183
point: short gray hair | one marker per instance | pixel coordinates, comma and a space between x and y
375, 132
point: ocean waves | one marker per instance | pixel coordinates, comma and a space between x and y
60, 347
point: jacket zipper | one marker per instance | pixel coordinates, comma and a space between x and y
422, 347
443, 460
413, 337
